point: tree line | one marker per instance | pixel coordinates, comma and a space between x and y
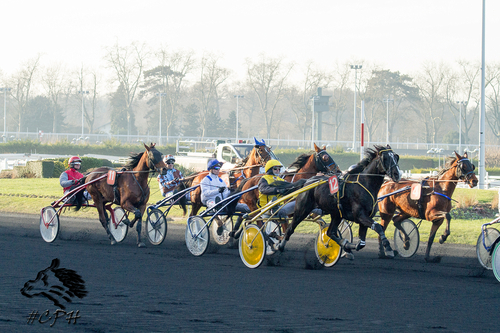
197, 94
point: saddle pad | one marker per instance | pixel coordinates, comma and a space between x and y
333, 183
111, 177
416, 191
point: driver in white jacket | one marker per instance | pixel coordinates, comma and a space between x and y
212, 186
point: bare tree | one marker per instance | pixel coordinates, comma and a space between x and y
464, 86
431, 106
55, 81
267, 79
493, 98
22, 84
212, 76
128, 63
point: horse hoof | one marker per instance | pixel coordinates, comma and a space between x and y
113, 242
220, 230
442, 240
434, 260
349, 256
389, 254
141, 244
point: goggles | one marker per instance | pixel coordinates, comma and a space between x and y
216, 168
172, 163
278, 168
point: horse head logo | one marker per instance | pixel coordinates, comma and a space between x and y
56, 284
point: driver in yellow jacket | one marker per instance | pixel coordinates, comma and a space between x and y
270, 189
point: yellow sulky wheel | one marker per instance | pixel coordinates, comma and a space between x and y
327, 250
252, 246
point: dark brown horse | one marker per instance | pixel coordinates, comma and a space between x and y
247, 168
355, 201
435, 199
132, 188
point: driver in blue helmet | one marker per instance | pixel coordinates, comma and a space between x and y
213, 190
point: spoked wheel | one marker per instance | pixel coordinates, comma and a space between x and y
345, 230
495, 261
252, 246
197, 236
117, 228
227, 226
327, 250
272, 231
49, 224
407, 240
156, 226
483, 255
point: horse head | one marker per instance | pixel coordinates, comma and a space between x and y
389, 162
465, 170
155, 160
262, 152
324, 162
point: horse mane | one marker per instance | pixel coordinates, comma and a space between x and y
370, 155
300, 161
447, 166
243, 162
133, 160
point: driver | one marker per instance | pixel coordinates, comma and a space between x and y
169, 181
270, 189
70, 178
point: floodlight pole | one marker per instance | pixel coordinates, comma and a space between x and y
237, 112
355, 67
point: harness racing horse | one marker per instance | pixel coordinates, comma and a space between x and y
355, 201
435, 199
248, 168
132, 188
306, 166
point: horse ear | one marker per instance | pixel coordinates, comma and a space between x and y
54, 264
458, 156
466, 155
324, 147
147, 148
316, 148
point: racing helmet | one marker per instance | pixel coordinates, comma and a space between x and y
212, 164
272, 163
168, 157
74, 160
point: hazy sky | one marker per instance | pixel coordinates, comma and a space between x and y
398, 34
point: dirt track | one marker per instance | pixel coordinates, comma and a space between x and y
165, 288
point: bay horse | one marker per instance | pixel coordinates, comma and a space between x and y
132, 188
435, 202
356, 199
305, 166
247, 168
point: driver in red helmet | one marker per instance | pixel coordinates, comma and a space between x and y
69, 178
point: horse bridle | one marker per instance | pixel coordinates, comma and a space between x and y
151, 161
319, 160
269, 153
393, 161
464, 176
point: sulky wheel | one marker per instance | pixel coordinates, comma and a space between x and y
197, 236
345, 230
252, 246
116, 226
406, 239
49, 224
327, 250
156, 226
484, 255
227, 227
495, 261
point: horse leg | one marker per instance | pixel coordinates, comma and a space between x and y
435, 226
303, 206
446, 233
333, 233
362, 237
388, 252
137, 218
103, 218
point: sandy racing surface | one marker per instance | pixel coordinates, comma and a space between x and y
166, 289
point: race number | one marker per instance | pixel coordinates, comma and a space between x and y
333, 183
111, 177
416, 190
